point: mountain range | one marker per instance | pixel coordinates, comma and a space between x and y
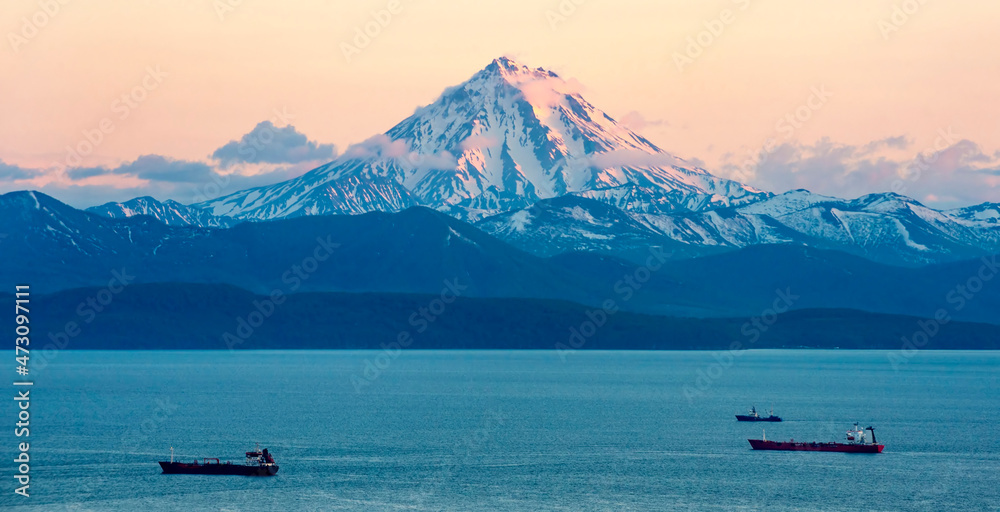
420, 251
520, 153
512, 185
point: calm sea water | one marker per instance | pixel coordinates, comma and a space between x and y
501, 430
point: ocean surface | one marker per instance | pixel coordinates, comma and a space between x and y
510, 430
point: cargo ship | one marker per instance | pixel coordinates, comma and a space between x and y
753, 416
857, 442
258, 463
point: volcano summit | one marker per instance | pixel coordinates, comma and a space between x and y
504, 139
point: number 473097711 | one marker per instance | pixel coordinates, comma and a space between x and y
22, 330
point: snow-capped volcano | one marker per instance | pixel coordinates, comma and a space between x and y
522, 154
502, 140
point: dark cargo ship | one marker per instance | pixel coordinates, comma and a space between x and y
753, 416
856, 443
258, 463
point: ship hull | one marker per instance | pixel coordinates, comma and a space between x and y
181, 468
759, 444
743, 417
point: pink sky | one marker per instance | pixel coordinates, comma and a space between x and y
902, 76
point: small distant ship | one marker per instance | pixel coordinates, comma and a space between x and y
856, 443
259, 463
753, 416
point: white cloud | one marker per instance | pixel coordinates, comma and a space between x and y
957, 175
382, 146
635, 121
549, 91
267, 143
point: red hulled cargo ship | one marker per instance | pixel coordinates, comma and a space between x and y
857, 442
259, 463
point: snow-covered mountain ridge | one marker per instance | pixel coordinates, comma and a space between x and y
889, 228
522, 154
169, 212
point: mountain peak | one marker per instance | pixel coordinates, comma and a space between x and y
513, 71
30, 199
500, 141
505, 63
168, 212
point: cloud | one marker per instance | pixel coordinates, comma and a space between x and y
184, 181
152, 168
962, 155
266, 155
267, 143
378, 146
959, 174
549, 91
382, 146
635, 121
10, 172
159, 168
82, 173
898, 142
91, 193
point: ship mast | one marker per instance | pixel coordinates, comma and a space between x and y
171, 454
